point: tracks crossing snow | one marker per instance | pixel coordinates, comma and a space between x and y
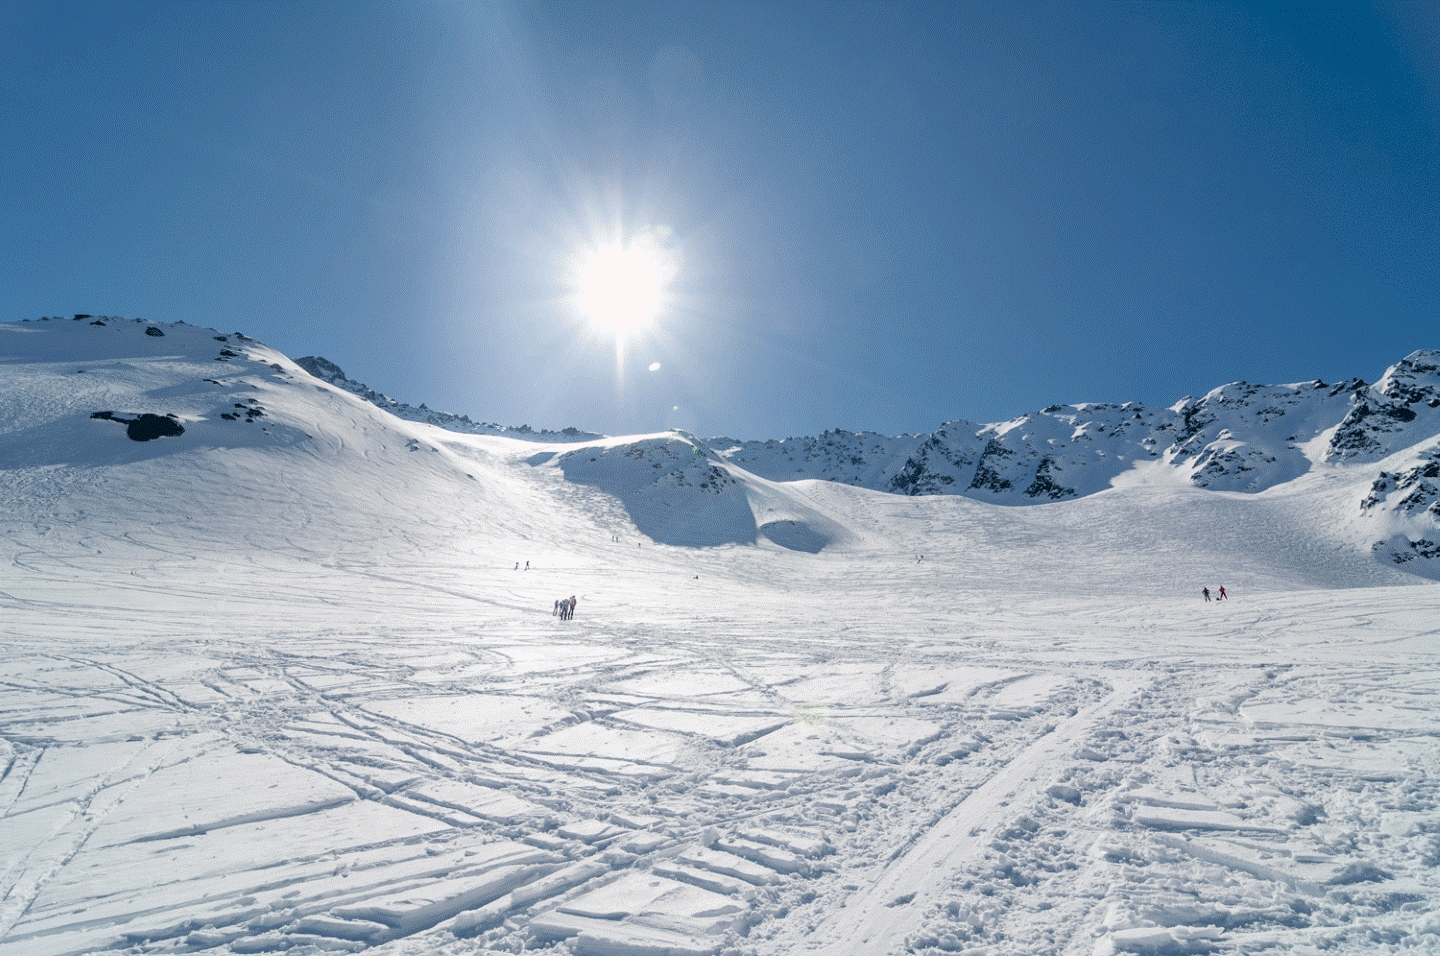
877, 922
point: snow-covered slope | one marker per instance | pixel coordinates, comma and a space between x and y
284, 675
1239, 437
328, 371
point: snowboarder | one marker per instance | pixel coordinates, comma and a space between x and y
572, 605
1206, 592
556, 612
1222, 594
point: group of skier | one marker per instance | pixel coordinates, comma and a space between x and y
565, 608
1219, 595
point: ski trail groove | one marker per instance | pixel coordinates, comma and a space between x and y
876, 923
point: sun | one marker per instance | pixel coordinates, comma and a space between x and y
622, 287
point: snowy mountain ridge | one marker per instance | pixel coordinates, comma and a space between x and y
328, 371
1238, 437
683, 490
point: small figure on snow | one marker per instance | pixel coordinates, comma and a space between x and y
1206, 592
1222, 594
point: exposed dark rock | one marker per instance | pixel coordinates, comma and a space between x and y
145, 427
149, 426
1358, 431
1046, 486
1421, 487
1414, 379
986, 476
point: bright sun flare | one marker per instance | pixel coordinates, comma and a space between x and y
622, 287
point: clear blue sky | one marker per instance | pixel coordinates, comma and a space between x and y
887, 215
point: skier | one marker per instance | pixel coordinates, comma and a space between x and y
572, 605
1206, 592
1222, 594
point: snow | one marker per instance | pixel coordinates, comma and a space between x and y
276, 683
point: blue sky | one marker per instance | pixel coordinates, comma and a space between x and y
885, 216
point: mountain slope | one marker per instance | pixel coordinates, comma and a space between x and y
279, 672
1356, 461
1238, 437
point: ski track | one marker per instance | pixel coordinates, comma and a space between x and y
1035, 802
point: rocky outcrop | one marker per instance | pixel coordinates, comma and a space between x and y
146, 427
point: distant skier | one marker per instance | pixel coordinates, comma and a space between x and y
1222, 594
1206, 592
556, 612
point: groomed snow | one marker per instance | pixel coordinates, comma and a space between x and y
278, 685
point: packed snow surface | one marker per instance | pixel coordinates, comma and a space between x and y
287, 677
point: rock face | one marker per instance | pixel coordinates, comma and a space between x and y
1239, 437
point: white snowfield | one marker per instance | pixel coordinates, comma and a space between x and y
277, 684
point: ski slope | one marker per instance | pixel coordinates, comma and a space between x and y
278, 684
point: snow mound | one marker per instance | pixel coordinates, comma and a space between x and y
678, 491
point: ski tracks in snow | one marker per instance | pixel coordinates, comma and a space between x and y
1016, 780
886, 912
